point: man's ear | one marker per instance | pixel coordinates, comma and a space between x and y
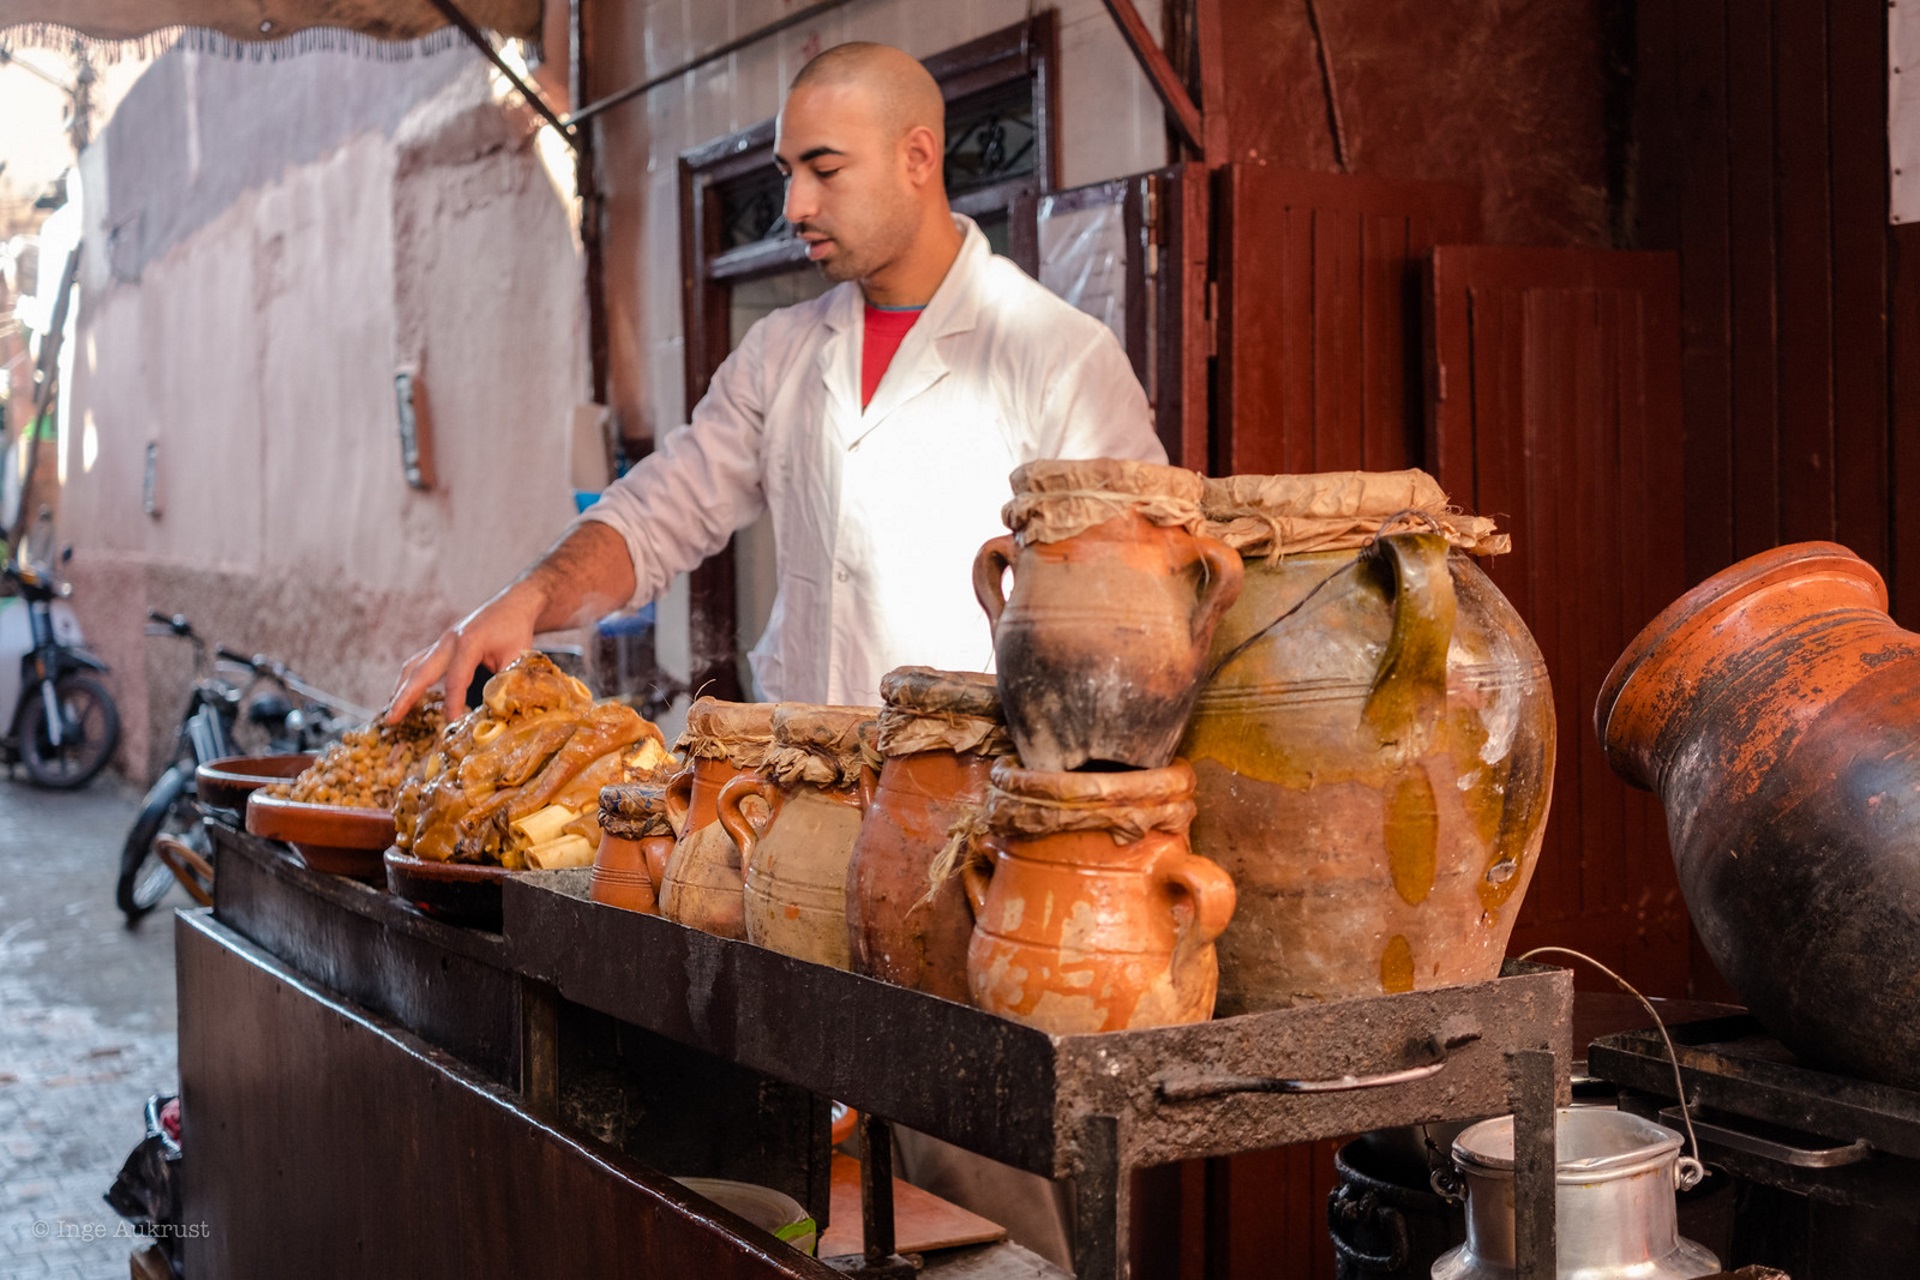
925, 162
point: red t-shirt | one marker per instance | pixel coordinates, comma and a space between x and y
885, 329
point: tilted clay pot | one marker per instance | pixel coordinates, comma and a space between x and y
937, 736
1102, 641
635, 839
814, 786
1375, 762
700, 885
1775, 710
1094, 914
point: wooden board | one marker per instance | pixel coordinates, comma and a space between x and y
922, 1221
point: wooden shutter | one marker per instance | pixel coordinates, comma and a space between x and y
1554, 406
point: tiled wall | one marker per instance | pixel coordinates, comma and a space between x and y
1109, 124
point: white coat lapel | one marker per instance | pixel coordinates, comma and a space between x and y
919, 364
839, 362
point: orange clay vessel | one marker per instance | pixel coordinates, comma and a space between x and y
1775, 710
1087, 930
1101, 644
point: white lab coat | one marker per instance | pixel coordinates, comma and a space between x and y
877, 513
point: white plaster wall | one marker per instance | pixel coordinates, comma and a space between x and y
1109, 125
259, 352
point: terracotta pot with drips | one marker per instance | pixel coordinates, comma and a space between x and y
814, 786
1094, 914
1375, 746
1102, 641
937, 737
1775, 710
700, 884
635, 841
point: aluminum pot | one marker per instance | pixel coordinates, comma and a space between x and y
1614, 1181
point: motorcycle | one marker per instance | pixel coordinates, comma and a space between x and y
61, 723
168, 841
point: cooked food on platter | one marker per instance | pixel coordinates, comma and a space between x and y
516, 782
365, 769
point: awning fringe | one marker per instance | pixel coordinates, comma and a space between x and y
51, 35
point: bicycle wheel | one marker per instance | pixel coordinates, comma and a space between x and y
168, 810
89, 731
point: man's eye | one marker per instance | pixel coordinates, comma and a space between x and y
824, 173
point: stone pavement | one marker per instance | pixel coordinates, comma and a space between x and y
86, 1028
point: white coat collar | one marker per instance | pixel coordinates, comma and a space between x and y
918, 365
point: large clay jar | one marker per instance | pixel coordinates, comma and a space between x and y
937, 738
1094, 915
1375, 749
701, 883
1775, 710
814, 787
1102, 641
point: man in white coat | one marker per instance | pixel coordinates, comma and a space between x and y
878, 422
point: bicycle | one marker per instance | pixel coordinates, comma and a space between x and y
168, 840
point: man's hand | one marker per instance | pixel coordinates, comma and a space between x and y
495, 634
585, 574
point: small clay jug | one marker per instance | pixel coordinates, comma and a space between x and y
1102, 641
700, 885
937, 738
814, 785
1775, 710
1374, 747
635, 839
1094, 915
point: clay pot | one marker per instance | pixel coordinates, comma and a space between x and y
700, 884
1102, 642
1775, 709
1374, 772
635, 840
1094, 915
938, 736
794, 850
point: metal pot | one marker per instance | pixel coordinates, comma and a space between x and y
1614, 1181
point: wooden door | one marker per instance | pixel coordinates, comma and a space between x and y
1319, 315
1554, 406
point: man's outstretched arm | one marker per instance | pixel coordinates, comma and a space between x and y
589, 572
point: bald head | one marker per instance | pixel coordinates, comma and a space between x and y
861, 141
901, 93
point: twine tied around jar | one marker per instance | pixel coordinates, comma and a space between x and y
963, 845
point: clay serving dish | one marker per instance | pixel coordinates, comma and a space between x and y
458, 892
226, 783
328, 837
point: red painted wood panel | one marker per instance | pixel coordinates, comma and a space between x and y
1761, 144
1319, 339
1556, 406
1856, 58
1804, 270
1752, 286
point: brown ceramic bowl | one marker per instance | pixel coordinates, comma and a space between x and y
328, 837
226, 783
457, 892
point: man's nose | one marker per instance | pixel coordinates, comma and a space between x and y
800, 203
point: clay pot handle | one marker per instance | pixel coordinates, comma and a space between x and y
677, 801
976, 876
733, 818
1225, 573
1211, 890
1409, 693
989, 576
